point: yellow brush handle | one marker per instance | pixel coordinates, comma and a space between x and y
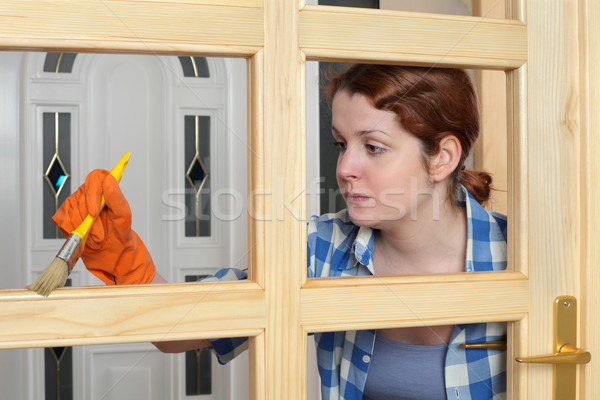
83, 230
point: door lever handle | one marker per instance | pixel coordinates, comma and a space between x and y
567, 354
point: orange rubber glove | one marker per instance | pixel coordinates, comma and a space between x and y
113, 251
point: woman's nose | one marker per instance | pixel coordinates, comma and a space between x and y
348, 167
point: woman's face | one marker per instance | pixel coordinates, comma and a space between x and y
379, 171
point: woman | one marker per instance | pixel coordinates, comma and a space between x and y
403, 135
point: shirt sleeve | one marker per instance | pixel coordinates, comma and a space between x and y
229, 348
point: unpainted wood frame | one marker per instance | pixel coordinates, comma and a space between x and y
277, 307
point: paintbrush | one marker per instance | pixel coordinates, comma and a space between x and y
56, 274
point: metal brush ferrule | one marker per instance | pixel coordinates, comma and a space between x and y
71, 251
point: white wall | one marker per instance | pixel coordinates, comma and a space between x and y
12, 362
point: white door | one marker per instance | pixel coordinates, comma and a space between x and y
145, 105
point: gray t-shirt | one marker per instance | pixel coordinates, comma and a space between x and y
400, 371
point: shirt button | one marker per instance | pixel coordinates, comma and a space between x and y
456, 392
366, 359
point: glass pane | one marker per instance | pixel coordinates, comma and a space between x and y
56, 128
197, 175
427, 362
422, 105
195, 67
59, 62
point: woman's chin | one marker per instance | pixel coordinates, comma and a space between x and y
362, 218
371, 220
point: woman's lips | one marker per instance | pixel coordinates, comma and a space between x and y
357, 198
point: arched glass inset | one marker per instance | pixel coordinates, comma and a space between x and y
194, 67
59, 62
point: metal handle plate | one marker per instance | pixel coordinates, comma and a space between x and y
566, 354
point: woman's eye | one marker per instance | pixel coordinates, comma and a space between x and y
374, 149
340, 145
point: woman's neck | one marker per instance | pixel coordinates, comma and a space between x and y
423, 245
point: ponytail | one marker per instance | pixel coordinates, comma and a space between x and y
478, 183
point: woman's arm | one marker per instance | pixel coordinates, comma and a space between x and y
180, 346
158, 279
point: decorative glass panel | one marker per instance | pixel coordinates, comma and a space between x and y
197, 175
59, 62
56, 131
58, 371
198, 365
195, 67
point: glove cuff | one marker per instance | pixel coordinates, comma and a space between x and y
142, 268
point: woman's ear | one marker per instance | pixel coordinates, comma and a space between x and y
446, 160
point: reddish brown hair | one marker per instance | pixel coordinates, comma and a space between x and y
430, 103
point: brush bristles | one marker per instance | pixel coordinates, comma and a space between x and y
54, 276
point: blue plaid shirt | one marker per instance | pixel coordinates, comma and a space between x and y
337, 247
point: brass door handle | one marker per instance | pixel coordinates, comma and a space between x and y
567, 354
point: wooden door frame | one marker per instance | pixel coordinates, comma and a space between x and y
589, 68
277, 306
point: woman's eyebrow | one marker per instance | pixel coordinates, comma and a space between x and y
365, 132
362, 132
